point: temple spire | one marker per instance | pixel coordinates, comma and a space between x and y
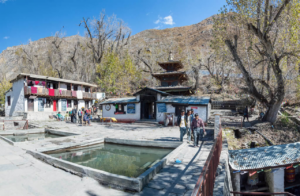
171, 56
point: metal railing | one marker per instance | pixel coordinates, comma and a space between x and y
205, 183
13, 121
260, 193
59, 93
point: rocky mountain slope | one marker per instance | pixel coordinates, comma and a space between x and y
187, 43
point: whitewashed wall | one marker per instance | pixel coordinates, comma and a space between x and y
201, 110
16, 100
126, 116
161, 116
81, 104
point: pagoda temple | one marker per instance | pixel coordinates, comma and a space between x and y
171, 81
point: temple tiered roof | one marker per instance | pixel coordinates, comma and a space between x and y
172, 79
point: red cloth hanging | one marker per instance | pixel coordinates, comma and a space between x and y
74, 94
34, 90
51, 92
36, 82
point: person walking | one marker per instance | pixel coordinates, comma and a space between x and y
181, 122
193, 116
86, 118
198, 132
189, 121
246, 114
70, 114
80, 116
74, 112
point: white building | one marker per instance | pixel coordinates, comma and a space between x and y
40, 96
152, 104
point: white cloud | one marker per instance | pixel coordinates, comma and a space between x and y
168, 20
157, 27
6, 37
3, 1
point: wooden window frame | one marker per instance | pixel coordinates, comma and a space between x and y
48, 103
120, 109
69, 101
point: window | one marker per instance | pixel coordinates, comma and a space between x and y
55, 86
75, 102
120, 109
8, 100
87, 89
48, 103
178, 109
69, 105
48, 84
75, 88
68, 87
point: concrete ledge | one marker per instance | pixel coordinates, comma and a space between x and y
8, 141
106, 178
71, 146
35, 131
27, 131
59, 132
145, 143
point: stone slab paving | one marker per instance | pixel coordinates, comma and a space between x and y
22, 174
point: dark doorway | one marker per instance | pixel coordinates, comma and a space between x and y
30, 105
148, 106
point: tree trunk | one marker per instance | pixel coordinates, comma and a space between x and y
271, 114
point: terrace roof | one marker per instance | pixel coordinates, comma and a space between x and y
40, 77
265, 157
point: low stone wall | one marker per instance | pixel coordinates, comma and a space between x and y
41, 116
223, 184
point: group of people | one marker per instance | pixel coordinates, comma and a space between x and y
78, 116
192, 125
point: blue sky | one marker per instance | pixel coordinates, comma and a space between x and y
22, 20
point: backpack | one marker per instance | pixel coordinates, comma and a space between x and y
79, 113
70, 112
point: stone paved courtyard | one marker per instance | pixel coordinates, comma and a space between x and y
22, 174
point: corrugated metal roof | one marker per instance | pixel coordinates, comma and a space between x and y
185, 100
264, 157
53, 79
151, 89
120, 100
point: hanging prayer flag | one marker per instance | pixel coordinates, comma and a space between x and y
289, 166
252, 173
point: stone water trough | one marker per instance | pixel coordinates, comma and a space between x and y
82, 160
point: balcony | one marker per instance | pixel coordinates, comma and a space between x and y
60, 94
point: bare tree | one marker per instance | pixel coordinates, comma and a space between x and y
105, 32
261, 36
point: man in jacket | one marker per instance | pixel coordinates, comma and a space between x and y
74, 112
198, 132
189, 120
181, 122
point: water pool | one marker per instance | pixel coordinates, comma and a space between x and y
130, 161
31, 137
